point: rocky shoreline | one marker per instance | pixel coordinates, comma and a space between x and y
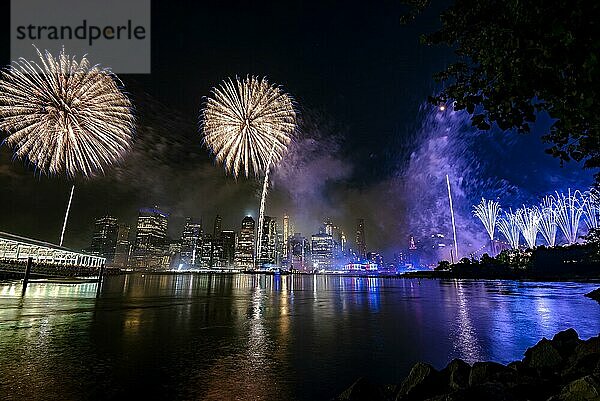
565, 368
595, 295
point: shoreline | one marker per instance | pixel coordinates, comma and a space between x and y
563, 368
419, 275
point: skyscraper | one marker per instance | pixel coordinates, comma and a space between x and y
286, 236
228, 241
218, 227
104, 240
244, 252
328, 224
151, 246
268, 248
299, 253
191, 243
413, 252
206, 261
322, 251
361, 243
123, 247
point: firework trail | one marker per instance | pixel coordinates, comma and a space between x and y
591, 209
248, 125
509, 227
547, 221
64, 116
528, 220
568, 209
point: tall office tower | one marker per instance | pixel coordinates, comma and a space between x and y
244, 252
279, 245
343, 242
151, 244
286, 236
104, 240
218, 226
268, 247
328, 224
413, 252
206, 258
175, 255
191, 243
228, 241
123, 248
361, 243
299, 253
322, 251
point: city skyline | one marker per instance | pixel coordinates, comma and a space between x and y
201, 245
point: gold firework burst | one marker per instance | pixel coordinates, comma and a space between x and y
65, 116
248, 124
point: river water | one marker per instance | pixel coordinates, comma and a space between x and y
245, 337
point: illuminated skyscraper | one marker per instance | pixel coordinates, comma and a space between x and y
322, 251
104, 240
244, 252
268, 246
361, 243
228, 241
328, 225
191, 243
286, 236
217, 244
299, 253
218, 226
413, 253
123, 247
151, 246
206, 261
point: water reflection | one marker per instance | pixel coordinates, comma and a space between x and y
465, 336
243, 337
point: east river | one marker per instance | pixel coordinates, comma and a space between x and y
253, 337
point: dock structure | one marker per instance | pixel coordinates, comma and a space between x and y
15, 249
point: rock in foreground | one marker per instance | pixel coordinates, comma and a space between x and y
562, 369
595, 295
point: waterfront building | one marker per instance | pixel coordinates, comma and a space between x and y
286, 237
244, 251
191, 243
123, 247
206, 258
299, 253
228, 238
322, 251
151, 246
104, 239
361, 243
268, 246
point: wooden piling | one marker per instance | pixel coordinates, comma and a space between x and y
27, 273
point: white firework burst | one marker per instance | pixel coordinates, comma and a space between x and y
528, 220
568, 209
547, 223
508, 226
487, 212
248, 124
65, 116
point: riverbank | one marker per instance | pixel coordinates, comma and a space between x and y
508, 275
562, 369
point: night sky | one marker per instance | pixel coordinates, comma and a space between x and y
360, 78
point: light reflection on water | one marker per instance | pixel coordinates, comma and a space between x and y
244, 337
